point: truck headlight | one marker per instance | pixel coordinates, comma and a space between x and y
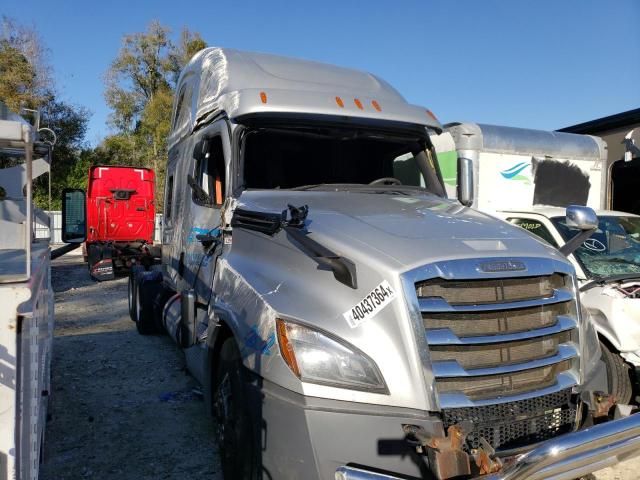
317, 357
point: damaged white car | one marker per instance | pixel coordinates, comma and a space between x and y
608, 269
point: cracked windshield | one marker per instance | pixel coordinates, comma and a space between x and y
613, 249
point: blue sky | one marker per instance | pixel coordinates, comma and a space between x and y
540, 64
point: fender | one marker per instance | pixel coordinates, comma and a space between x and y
608, 329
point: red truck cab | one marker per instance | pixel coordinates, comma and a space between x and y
120, 219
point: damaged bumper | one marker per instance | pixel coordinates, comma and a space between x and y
566, 457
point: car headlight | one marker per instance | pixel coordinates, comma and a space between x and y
317, 357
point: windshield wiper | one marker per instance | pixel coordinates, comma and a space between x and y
294, 224
309, 187
362, 188
336, 186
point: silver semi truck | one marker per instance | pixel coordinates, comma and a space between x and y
345, 319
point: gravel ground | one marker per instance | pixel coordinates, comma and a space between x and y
123, 405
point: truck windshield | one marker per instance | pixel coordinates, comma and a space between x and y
322, 158
613, 249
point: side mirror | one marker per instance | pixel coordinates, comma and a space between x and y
74, 216
631, 149
465, 181
582, 218
201, 148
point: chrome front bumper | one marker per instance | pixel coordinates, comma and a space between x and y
563, 458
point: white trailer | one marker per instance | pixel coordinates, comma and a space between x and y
529, 167
26, 317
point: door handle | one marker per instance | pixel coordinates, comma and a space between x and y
181, 265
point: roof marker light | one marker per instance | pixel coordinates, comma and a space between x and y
376, 105
430, 113
263, 97
339, 102
358, 103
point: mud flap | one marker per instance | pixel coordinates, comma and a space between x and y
103, 270
101, 263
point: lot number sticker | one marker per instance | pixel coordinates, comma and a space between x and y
370, 306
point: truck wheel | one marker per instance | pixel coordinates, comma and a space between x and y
618, 375
131, 292
237, 439
147, 287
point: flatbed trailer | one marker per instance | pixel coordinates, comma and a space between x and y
27, 313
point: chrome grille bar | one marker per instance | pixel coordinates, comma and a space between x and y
444, 336
451, 368
439, 305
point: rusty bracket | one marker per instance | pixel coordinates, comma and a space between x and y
485, 458
446, 457
602, 403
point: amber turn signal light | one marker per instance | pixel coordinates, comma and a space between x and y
286, 349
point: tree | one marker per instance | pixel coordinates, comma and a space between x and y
190, 44
25, 75
139, 89
26, 81
16, 78
155, 127
69, 122
139, 70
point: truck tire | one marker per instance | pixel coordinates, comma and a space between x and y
147, 287
231, 407
131, 291
618, 374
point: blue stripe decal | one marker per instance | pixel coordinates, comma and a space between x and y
515, 170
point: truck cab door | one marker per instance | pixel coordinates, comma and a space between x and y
208, 180
170, 215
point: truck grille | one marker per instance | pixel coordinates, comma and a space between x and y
516, 424
499, 337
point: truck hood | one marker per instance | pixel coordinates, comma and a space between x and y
385, 237
398, 230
